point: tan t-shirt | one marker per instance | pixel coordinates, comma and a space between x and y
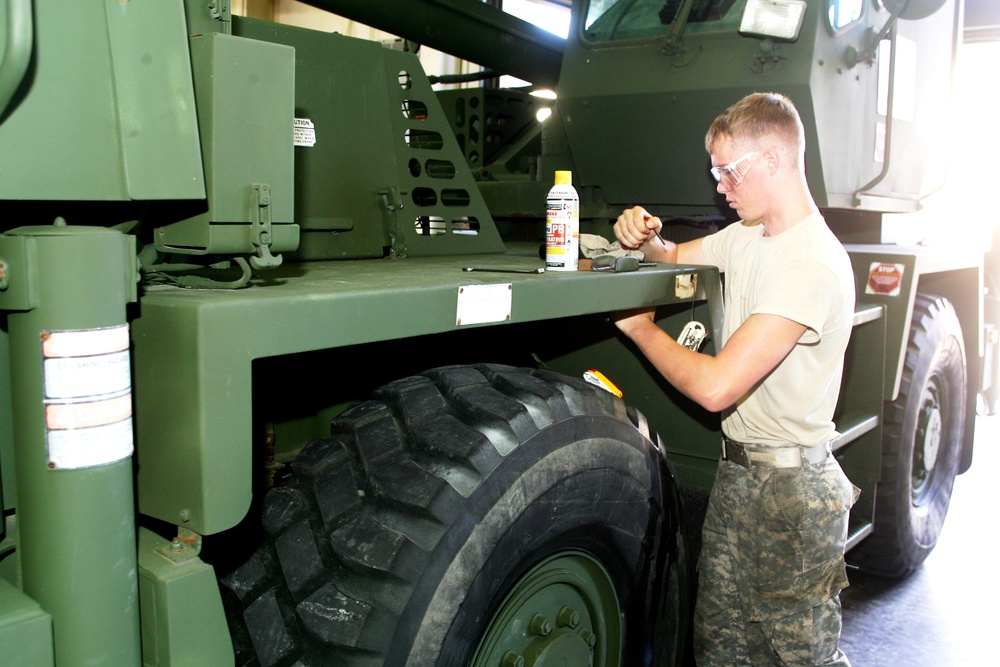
805, 275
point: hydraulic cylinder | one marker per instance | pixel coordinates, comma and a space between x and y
66, 294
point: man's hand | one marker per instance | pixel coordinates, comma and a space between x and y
636, 226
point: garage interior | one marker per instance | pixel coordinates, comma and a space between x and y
278, 487
941, 614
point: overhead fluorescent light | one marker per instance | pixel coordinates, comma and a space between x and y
780, 19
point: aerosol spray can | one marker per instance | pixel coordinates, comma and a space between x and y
562, 225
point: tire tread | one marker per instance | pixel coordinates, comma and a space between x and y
349, 534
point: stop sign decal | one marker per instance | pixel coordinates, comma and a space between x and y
884, 278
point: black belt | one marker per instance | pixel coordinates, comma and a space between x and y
750, 455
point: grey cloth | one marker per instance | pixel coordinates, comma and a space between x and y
593, 245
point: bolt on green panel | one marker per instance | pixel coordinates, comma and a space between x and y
180, 609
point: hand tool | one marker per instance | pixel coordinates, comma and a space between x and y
617, 264
476, 268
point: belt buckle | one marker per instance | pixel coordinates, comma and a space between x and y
817, 453
736, 453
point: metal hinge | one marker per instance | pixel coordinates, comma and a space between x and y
261, 228
392, 199
221, 11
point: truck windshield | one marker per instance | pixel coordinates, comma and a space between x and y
609, 20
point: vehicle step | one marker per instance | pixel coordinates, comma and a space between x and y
857, 534
868, 312
852, 427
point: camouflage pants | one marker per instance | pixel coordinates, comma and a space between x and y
772, 566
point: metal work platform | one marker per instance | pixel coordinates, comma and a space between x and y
194, 348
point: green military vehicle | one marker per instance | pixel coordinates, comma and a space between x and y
280, 382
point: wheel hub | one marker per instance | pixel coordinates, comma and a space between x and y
564, 611
925, 453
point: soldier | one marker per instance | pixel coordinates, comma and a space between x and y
772, 561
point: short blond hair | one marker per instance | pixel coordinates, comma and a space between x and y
757, 116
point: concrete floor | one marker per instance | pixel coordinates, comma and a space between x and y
946, 613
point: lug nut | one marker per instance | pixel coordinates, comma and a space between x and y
511, 659
540, 625
568, 618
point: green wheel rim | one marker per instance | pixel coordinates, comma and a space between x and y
927, 444
564, 611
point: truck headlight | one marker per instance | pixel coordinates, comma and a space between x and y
780, 19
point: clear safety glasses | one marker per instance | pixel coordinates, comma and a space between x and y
732, 174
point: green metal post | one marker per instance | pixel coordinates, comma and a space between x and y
73, 436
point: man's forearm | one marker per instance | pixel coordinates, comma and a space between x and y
716, 381
688, 371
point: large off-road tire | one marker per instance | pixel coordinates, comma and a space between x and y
921, 444
469, 516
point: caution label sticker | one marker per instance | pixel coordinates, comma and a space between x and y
884, 278
87, 381
304, 132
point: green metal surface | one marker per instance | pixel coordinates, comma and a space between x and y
124, 102
18, 39
76, 525
10, 565
106, 111
898, 306
373, 184
180, 609
858, 416
954, 273
564, 611
194, 352
245, 90
686, 428
18, 286
338, 79
640, 98
25, 630
8, 490
494, 127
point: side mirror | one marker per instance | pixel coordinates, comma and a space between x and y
909, 10
912, 10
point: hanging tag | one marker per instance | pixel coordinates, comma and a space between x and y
692, 335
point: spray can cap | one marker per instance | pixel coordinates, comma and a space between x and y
564, 178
